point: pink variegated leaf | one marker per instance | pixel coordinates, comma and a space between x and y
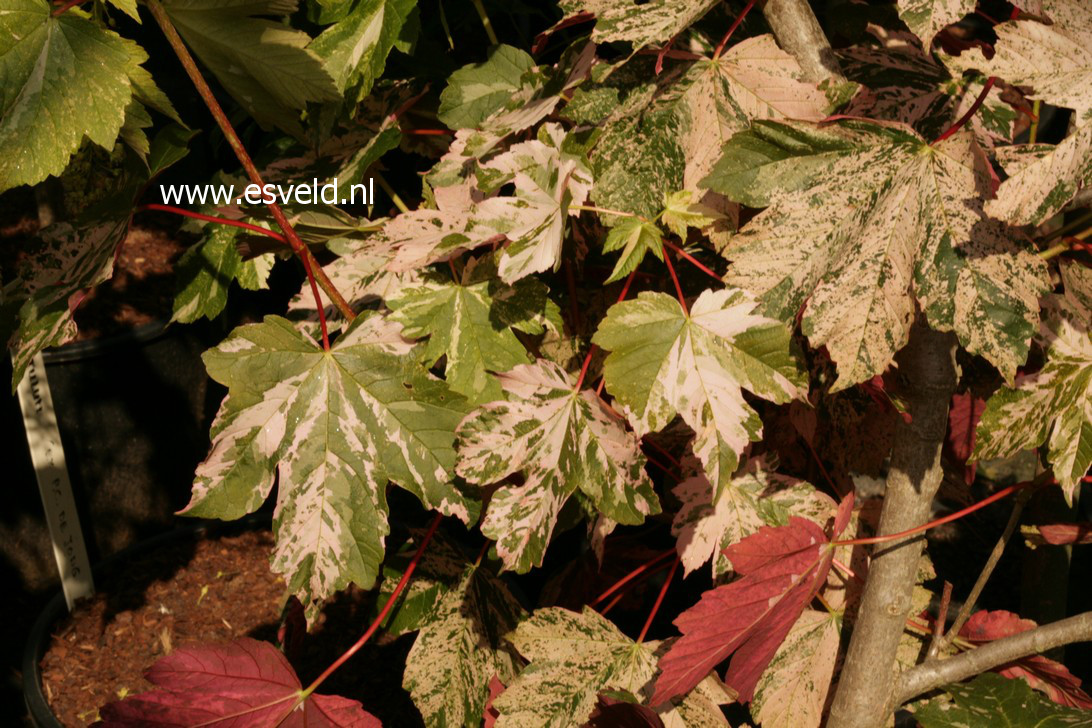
242, 684
926, 18
560, 439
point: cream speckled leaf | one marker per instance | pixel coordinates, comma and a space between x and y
663, 362
928, 17
574, 657
673, 143
461, 644
547, 181
471, 323
1053, 405
863, 218
794, 686
1056, 62
336, 426
755, 497
561, 440
425, 236
639, 24
64, 79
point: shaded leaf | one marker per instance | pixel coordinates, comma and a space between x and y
990, 698
476, 91
242, 684
354, 50
926, 18
639, 24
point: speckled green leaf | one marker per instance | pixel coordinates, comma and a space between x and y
1054, 404
663, 362
471, 322
638, 23
354, 50
574, 657
560, 439
865, 217
335, 426
1056, 62
990, 699
62, 79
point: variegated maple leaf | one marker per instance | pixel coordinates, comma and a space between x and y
462, 613
665, 361
706, 524
926, 18
1056, 62
793, 688
574, 657
335, 425
425, 236
649, 22
470, 322
862, 219
560, 439
1053, 405
548, 181
672, 142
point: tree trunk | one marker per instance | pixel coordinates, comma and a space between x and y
927, 374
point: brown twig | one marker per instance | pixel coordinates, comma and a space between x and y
942, 619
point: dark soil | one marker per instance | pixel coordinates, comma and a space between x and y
209, 590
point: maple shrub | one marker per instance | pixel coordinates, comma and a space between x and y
693, 309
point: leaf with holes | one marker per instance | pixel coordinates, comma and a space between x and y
574, 657
781, 569
863, 219
793, 688
1056, 62
335, 426
926, 18
560, 439
241, 684
471, 323
705, 525
1053, 405
665, 361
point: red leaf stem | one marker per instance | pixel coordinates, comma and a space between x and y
970, 112
736, 24
659, 600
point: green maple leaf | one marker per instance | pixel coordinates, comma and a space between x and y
991, 698
462, 613
634, 237
63, 79
863, 219
471, 323
355, 49
574, 657
265, 66
561, 440
206, 271
335, 426
475, 92
664, 361
1053, 405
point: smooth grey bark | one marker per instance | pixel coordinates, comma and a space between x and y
932, 675
798, 33
927, 376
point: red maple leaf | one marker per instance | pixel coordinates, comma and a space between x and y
1049, 676
1059, 534
963, 416
781, 568
241, 684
